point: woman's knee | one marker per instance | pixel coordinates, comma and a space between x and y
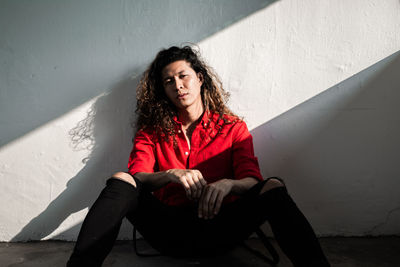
270, 184
126, 177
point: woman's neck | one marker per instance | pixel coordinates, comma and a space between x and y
191, 115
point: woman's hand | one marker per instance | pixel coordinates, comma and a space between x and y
212, 197
191, 180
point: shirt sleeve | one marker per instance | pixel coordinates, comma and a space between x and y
245, 164
142, 157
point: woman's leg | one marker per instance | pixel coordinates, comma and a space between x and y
101, 225
291, 229
270, 201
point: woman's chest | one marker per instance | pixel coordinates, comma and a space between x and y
212, 156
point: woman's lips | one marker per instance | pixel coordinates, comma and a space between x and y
182, 95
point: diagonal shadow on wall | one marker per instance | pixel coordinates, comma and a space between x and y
106, 129
340, 150
49, 49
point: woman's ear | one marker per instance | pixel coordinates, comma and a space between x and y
200, 76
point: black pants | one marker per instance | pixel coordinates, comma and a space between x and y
179, 232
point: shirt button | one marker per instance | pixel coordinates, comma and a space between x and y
205, 124
186, 153
179, 131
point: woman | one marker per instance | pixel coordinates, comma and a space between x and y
197, 158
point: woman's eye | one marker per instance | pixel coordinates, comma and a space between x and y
183, 76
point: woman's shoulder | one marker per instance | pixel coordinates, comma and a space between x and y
150, 134
225, 118
145, 133
228, 124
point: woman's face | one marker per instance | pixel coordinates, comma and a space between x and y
182, 85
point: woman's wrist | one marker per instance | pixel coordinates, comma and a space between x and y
230, 183
171, 175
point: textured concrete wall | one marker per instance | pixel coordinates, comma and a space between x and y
316, 81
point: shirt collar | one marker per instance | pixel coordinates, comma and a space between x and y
205, 119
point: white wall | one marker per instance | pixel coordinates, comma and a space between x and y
317, 82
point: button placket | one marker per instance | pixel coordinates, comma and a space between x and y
185, 147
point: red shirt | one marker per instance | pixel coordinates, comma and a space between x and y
227, 153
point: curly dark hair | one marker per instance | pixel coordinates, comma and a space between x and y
156, 111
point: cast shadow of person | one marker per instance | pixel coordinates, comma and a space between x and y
106, 133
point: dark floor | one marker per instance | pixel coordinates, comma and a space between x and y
362, 252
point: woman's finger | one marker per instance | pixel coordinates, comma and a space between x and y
211, 202
203, 204
186, 185
198, 185
201, 179
218, 203
192, 184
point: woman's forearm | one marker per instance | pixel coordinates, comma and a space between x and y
241, 186
154, 180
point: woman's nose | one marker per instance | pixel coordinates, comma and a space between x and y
178, 84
